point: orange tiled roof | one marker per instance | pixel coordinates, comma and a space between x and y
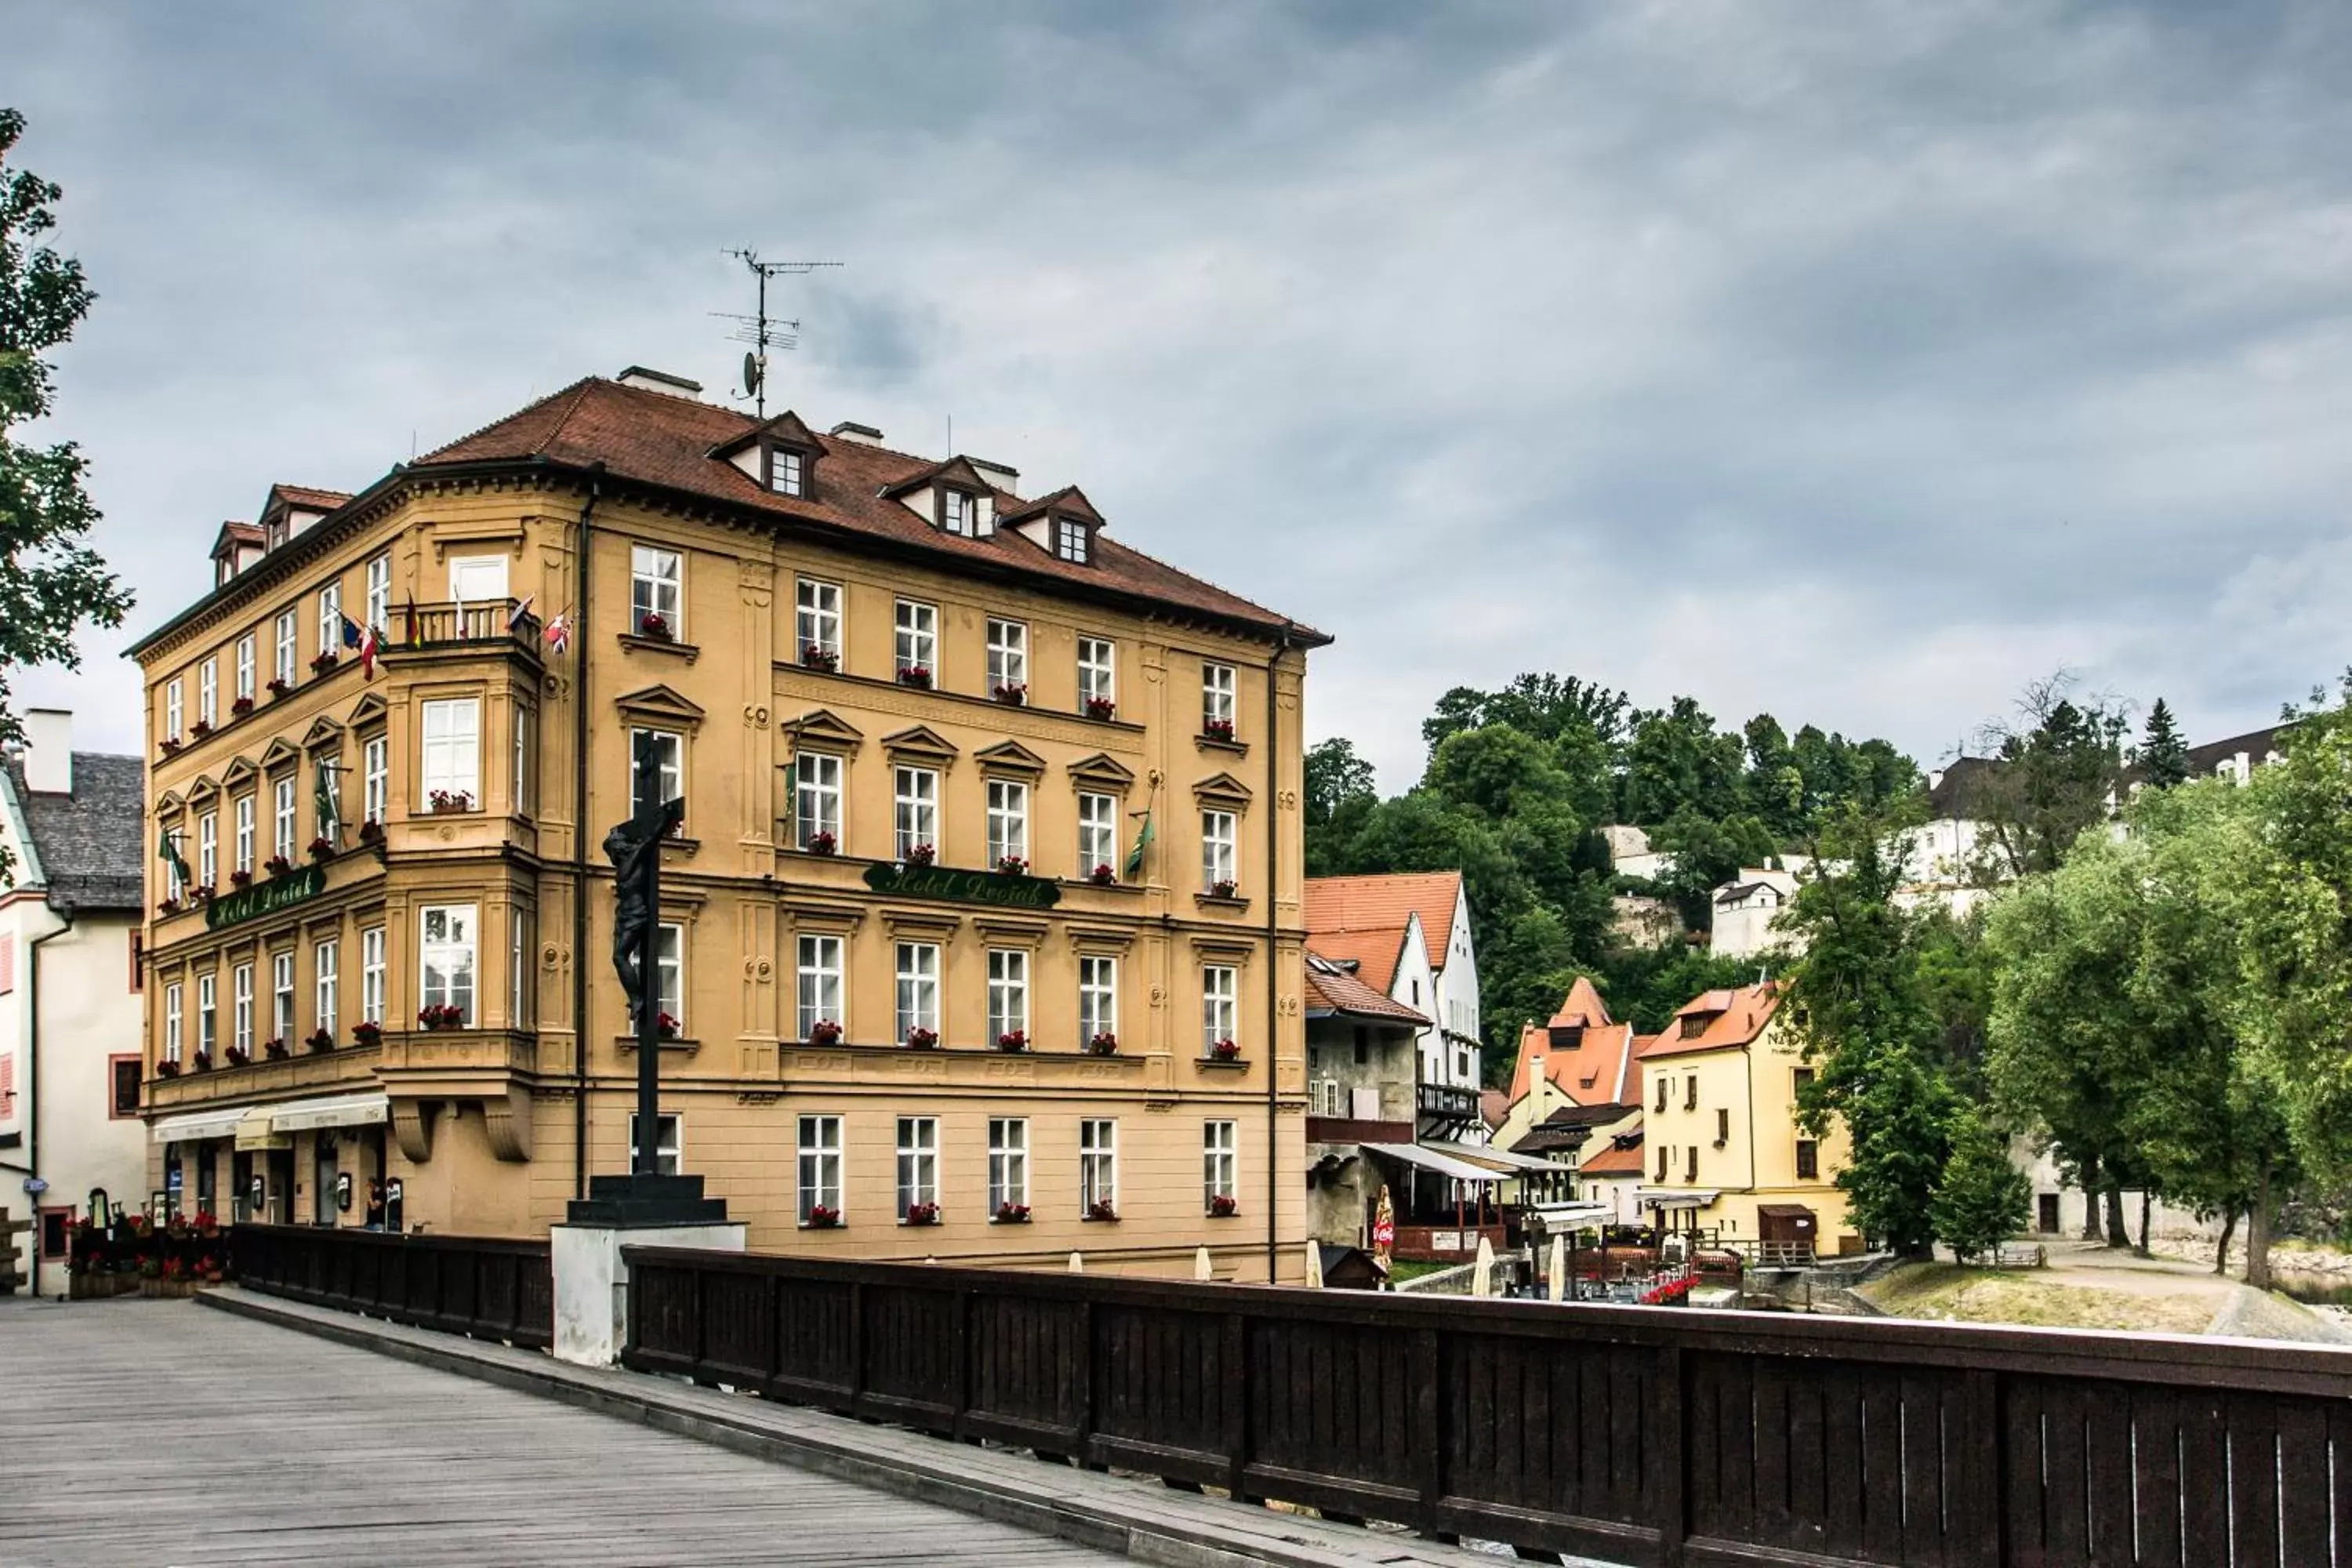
1729, 1018
1373, 952
309, 499
1593, 1073
663, 439
1383, 903
1334, 987
1623, 1157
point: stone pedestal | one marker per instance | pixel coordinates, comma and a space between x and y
592, 1282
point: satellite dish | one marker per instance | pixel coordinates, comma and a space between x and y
751, 374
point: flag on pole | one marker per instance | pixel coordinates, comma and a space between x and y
169, 853
515, 616
1143, 836
366, 641
415, 635
559, 632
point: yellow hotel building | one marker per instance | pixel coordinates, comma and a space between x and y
923, 1000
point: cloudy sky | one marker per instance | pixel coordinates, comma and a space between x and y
1857, 362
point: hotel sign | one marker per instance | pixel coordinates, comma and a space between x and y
266, 898
963, 887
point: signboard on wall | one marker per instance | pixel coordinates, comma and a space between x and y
963, 887
265, 898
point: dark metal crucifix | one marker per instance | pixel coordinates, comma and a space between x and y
634, 849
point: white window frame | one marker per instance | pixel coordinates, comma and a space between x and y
1220, 994
523, 716
914, 810
175, 711
326, 984
817, 1174
918, 968
244, 828
207, 1012
373, 969
918, 1163
284, 817
330, 617
519, 965
1097, 833
1008, 1163
818, 987
669, 1142
208, 693
174, 886
448, 967
1008, 820
1008, 992
375, 779
817, 618
240, 993
816, 797
915, 638
1097, 671
1072, 540
1220, 1161
245, 661
289, 646
208, 850
450, 758
281, 996
1097, 1161
669, 970
1008, 654
379, 592
1098, 996
173, 1021
658, 586
1220, 847
958, 512
669, 758
1220, 692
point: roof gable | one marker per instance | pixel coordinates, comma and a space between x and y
785, 428
1336, 904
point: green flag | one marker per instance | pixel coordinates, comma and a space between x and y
1142, 841
169, 853
331, 817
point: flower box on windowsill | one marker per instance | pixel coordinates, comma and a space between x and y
1012, 694
1102, 1209
821, 1218
1223, 1206
917, 676
320, 1042
1103, 1045
920, 855
167, 1070
1012, 1042
367, 1036
921, 1214
322, 848
278, 866
1011, 866
1224, 1054
240, 878
1102, 709
371, 831
237, 1055
678, 1045
823, 661
323, 663
643, 644
274, 1050
1104, 876
449, 803
1010, 1214
240, 708
433, 1017
1217, 901
819, 844
922, 1039
169, 907
824, 1033
202, 1061
1221, 740
172, 745
279, 686
201, 728
655, 627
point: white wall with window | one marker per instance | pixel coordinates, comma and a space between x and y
919, 987
915, 638
820, 1166
918, 1164
371, 972
282, 818
670, 1143
1220, 848
816, 800
326, 985
1098, 997
657, 588
818, 992
1008, 992
1008, 821
1008, 1164
1220, 1162
818, 620
914, 811
1221, 990
446, 958
1008, 657
1219, 709
1097, 671
1097, 834
959, 512
375, 779
452, 755
1097, 1164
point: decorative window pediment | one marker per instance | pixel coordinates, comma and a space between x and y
202, 789
922, 742
324, 733
369, 710
825, 730
170, 802
1009, 757
239, 772
661, 707
1223, 789
282, 753
1103, 772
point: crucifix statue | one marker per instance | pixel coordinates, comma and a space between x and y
634, 849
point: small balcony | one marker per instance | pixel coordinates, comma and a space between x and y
1446, 1100
491, 627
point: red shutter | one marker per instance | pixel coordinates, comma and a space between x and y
8, 1085
8, 963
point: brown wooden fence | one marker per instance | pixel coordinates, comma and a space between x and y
490, 1288
1634, 1435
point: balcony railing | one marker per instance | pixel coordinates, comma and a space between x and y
492, 624
1444, 1100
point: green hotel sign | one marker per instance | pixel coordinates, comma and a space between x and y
266, 898
963, 887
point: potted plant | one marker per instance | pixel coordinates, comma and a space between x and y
922, 854
277, 865
1101, 708
1012, 1213
1012, 1040
371, 831
320, 1041
202, 892
652, 625
201, 728
1225, 1050
241, 707
916, 675
275, 1049
442, 800
1012, 693
438, 1016
1102, 1208
367, 1032
167, 1069
279, 686
1223, 888
825, 1032
321, 847
1217, 728
922, 1214
171, 743
819, 843
822, 659
168, 907
1224, 1206
1104, 875
1011, 866
324, 662
921, 1039
237, 1055
823, 1219
667, 1025
240, 878
1105, 1044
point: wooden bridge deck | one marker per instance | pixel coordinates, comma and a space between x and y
154, 1432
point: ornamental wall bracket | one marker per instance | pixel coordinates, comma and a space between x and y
507, 1118
412, 1127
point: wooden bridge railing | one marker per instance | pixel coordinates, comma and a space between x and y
481, 1286
1633, 1435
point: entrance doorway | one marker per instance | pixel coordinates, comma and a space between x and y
2046, 1218
322, 1181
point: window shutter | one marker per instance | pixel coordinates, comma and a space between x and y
8, 963
8, 1085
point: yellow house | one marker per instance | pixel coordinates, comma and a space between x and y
982, 937
1719, 1128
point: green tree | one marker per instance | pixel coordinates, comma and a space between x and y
1340, 794
1677, 760
1982, 1197
2059, 772
2162, 757
51, 584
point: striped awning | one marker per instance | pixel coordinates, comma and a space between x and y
332, 1111
194, 1126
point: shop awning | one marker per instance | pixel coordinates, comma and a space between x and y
256, 1129
1429, 1160
193, 1126
332, 1111
1568, 1217
1675, 1197
1507, 1159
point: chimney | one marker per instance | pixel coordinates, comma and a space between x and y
659, 381
863, 434
48, 750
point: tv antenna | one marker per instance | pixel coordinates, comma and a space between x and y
761, 331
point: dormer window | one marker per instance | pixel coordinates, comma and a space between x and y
788, 471
275, 534
958, 512
1072, 540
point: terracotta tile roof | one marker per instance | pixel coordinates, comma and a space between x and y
1382, 903
1329, 986
308, 499
1724, 1018
1623, 1157
1493, 1106
1374, 953
1593, 1073
657, 439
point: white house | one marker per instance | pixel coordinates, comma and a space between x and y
71, 918
1745, 909
1408, 936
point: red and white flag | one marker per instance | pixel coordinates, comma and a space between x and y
559, 632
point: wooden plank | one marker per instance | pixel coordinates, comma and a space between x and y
2204, 1481
2253, 1477
2156, 1454
1923, 1469
2304, 1500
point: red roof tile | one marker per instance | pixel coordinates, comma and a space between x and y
1593, 1073
1380, 903
1373, 952
308, 499
1335, 988
1724, 1018
1616, 1160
